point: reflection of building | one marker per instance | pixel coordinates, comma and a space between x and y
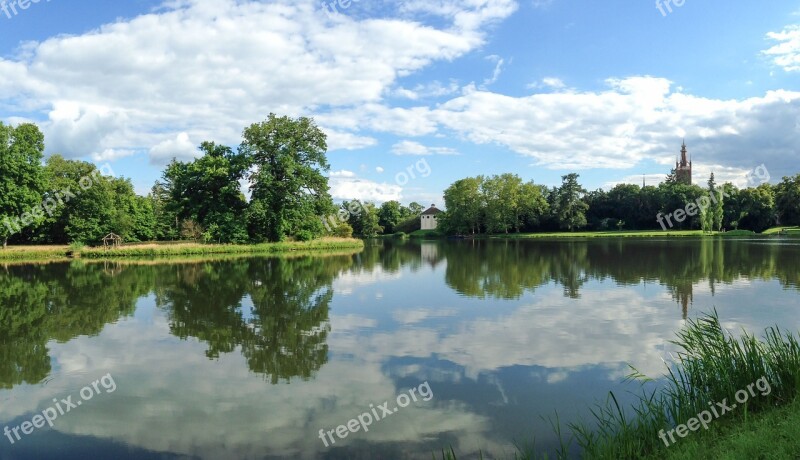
430, 252
428, 218
683, 168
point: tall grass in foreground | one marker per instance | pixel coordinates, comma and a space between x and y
711, 366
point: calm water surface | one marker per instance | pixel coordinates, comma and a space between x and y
250, 358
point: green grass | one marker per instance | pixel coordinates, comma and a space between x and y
20, 253
777, 230
712, 366
170, 250
608, 234
773, 434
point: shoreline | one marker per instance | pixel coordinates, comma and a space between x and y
157, 251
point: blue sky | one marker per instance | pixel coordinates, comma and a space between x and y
440, 89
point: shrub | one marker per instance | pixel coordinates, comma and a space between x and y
343, 230
304, 235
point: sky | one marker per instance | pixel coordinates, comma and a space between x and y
414, 95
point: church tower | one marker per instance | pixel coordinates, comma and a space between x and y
683, 168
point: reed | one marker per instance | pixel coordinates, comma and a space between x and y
711, 366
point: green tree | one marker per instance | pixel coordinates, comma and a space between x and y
787, 200
87, 202
570, 209
758, 208
207, 191
415, 209
363, 218
22, 179
166, 222
389, 215
288, 156
465, 207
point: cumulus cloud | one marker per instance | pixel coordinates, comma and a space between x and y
634, 119
346, 185
180, 148
786, 54
210, 67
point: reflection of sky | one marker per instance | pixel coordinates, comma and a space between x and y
495, 367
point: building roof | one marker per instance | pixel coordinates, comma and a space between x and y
433, 210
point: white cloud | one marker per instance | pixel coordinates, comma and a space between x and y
210, 67
636, 118
379, 170
415, 148
351, 187
180, 148
786, 54
343, 173
498, 68
112, 154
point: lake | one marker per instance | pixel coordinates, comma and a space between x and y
470, 344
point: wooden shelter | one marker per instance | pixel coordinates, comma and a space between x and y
112, 240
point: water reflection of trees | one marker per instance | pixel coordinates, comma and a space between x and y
283, 335
40, 303
508, 268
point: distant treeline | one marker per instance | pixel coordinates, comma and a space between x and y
283, 160
505, 204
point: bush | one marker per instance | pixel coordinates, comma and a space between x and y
409, 225
343, 230
304, 235
400, 235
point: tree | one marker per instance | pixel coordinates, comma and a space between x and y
758, 208
389, 215
87, 202
415, 209
465, 207
288, 157
22, 180
207, 191
363, 218
787, 200
570, 209
166, 222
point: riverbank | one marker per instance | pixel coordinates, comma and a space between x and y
723, 398
744, 390
39, 253
776, 231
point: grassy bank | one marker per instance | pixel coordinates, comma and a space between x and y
609, 234
711, 367
16, 253
172, 250
784, 231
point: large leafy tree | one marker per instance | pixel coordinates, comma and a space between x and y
207, 191
758, 208
464, 203
288, 159
390, 214
85, 203
22, 180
